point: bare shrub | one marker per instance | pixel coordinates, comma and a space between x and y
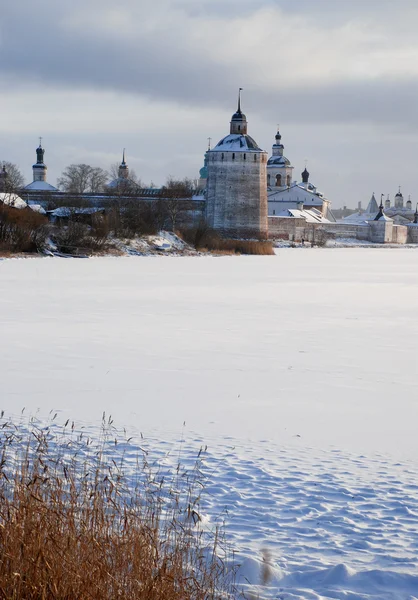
195, 236
320, 237
205, 238
72, 238
21, 230
74, 524
138, 217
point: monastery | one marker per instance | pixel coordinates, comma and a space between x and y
245, 193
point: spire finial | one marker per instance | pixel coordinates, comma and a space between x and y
123, 157
239, 99
209, 142
40, 142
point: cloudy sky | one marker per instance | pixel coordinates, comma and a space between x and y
159, 77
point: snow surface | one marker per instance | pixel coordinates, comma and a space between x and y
298, 371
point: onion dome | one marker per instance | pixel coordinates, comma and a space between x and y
40, 154
305, 176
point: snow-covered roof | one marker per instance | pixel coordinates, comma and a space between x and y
297, 193
310, 215
122, 182
12, 200
41, 186
37, 208
383, 217
360, 218
67, 211
237, 143
278, 160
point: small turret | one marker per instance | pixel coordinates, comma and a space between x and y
409, 203
380, 214
387, 202
399, 199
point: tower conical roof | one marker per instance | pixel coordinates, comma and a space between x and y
372, 207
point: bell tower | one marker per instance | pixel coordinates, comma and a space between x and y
39, 168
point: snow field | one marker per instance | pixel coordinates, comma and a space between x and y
312, 351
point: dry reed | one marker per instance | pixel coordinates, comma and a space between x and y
75, 524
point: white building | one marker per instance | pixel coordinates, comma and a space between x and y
286, 194
39, 183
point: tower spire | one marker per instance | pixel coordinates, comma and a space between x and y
123, 172
239, 120
380, 213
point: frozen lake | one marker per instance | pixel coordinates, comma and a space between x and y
316, 343
299, 371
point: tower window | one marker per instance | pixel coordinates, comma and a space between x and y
274, 212
222, 155
268, 179
245, 156
255, 157
239, 127
233, 156
288, 181
278, 180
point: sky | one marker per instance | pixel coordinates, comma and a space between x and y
160, 77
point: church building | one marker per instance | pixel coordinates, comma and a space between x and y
39, 183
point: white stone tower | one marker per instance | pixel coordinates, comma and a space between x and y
279, 169
236, 203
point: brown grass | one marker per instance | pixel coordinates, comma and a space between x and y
74, 525
205, 239
239, 246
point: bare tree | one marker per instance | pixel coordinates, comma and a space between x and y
83, 179
180, 188
13, 179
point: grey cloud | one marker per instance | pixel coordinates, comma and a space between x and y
160, 67
37, 45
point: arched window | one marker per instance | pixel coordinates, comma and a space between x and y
239, 127
223, 156
278, 180
233, 156
255, 157
268, 179
288, 181
245, 156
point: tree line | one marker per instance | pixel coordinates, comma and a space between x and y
81, 179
